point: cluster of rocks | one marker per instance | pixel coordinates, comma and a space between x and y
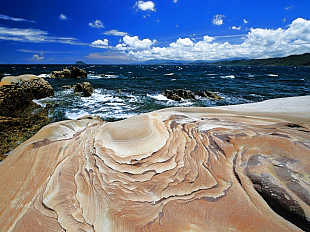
66, 73
178, 94
86, 88
20, 117
18, 92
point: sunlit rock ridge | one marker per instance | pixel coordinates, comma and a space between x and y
241, 168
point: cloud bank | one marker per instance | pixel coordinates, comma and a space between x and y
257, 44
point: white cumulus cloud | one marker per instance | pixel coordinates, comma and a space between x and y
135, 44
100, 43
257, 44
63, 17
148, 5
96, 24
218, 19
236, 28
36, 57
175, 1
245, 21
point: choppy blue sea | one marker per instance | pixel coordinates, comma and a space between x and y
122, 91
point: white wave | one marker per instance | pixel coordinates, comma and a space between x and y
169, 74
229, 76
39, 103
158, 97
272, 75
250, 75
44, 75
75, 114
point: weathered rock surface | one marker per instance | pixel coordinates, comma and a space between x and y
66, 73
18, 92
241, 168
20, 118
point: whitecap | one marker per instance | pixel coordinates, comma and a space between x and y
158, 97
75, 114
44, 75
169, 74
272, 75
229, 76
39, 103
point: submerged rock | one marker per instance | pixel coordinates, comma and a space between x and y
241, 168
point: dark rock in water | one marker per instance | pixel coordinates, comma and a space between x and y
87, 89
1, 74
177, 94
17, 92
66, 73
208, 94
66, 87
78, 73
78, 88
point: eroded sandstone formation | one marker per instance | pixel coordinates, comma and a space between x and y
241, 168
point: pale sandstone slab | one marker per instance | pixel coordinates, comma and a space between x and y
241, 168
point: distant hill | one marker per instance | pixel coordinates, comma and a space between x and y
293, 60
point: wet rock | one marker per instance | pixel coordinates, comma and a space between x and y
85, 87
78, 73
78, 88
177, 94
208, 94
66, 73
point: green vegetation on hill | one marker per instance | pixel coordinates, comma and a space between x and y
293, 60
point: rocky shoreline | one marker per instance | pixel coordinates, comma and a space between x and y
174, 168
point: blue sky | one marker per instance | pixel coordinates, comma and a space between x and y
130, 31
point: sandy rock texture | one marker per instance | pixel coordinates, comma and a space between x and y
238, 168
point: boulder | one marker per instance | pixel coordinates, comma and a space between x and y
78, 73
85, 87
18, 92
240, 168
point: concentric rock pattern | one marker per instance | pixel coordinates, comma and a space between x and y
178, 169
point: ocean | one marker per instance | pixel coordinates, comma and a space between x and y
122, 91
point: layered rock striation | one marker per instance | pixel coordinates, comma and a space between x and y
242, 168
